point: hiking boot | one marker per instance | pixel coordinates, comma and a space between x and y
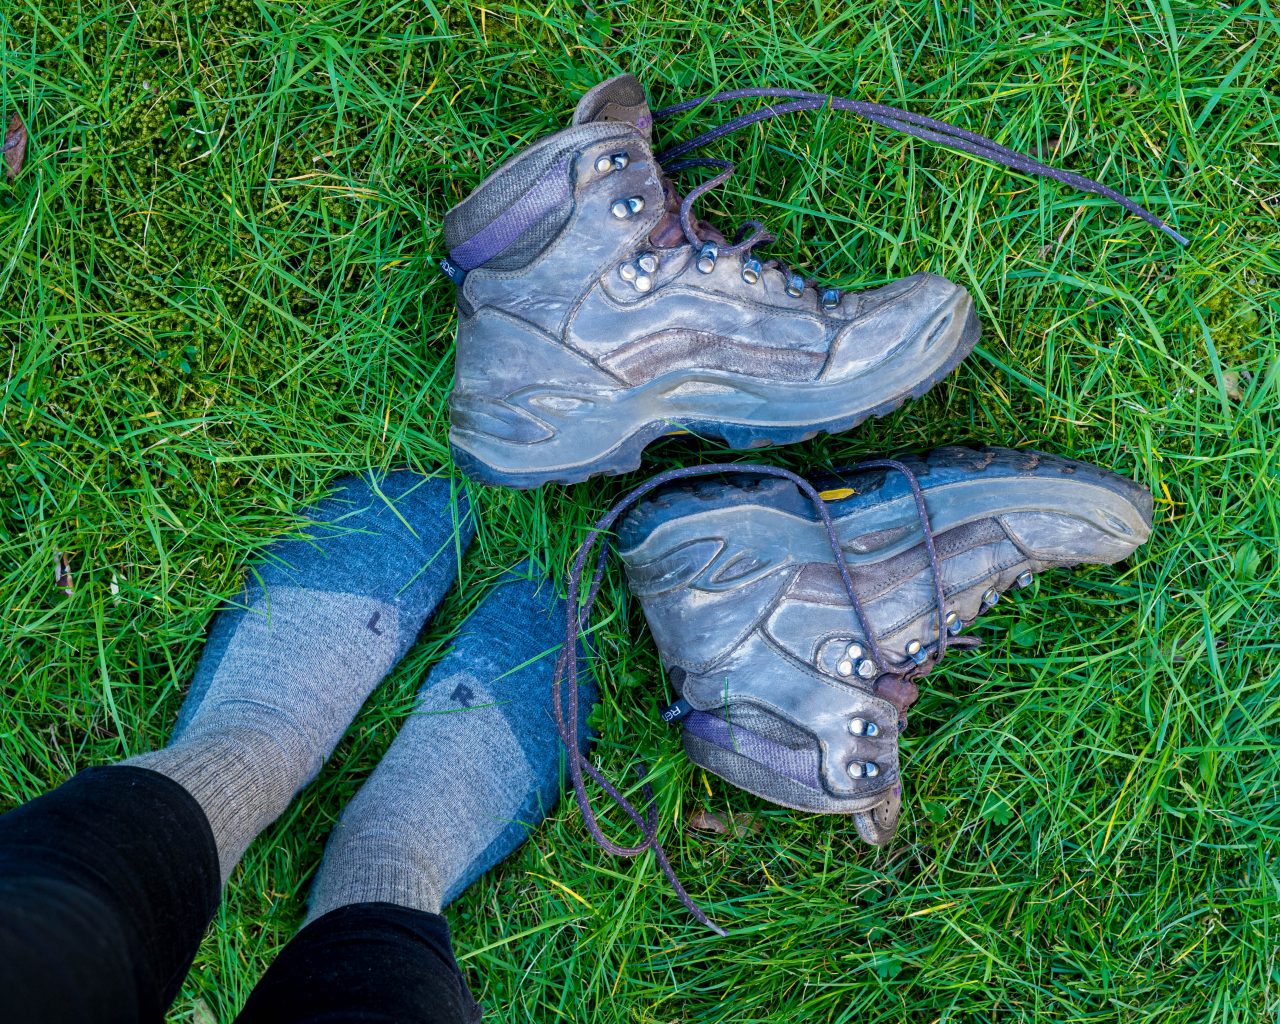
597, 313
603, 327
796, 689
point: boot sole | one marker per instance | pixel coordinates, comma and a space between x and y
770, 520
657, 410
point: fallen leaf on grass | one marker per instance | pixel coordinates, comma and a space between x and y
729, 825
201, 1014
1231, 384
15, 146
62, 573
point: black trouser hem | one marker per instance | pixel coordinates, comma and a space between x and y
107, 885
367, 963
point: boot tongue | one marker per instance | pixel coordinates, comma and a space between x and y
620, 98
668, 233
623, 99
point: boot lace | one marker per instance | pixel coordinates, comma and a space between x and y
752, 233
577, 623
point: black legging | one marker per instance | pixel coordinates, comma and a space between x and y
108, 883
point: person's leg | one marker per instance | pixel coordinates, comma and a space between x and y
107, 883
106, 886
473, 770
368, 963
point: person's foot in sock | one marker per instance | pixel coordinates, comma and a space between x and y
473, 769
320, 623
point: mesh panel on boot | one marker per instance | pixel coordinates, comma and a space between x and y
496, 194
756, 778
769, 726
512, 181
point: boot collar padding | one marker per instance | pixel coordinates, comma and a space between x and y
620, 98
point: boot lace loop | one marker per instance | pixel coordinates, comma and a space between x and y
577, 623
917, 125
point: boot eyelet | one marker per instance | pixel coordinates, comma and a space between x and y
1024, 579
643, 283
954, 623
857, 727
854, 651
845, 668
707, 257
990, 598
916, 652
867, 669
795, 286
604, 164
751, 270
620, 161
873, 729
627, 272
648, 262
855, 769
872, 769
831, 299
624, 208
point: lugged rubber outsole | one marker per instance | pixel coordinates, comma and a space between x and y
626, 456
871, 488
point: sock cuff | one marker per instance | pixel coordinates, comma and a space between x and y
242, 779
392, 869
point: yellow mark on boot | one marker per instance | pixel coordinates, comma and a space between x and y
839, 494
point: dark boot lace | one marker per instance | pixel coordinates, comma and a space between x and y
895, 682
577, 622
753, 233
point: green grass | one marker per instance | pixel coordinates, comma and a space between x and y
217, 293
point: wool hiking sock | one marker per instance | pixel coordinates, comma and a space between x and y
319, 624
473, 769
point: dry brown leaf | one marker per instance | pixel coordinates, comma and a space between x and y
15, 146
1231, 383
731, 824
62, 574
201, 1014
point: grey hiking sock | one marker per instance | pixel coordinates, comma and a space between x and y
317, 627
474, 768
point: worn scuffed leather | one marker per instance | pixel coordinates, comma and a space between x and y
739, 586
778, 367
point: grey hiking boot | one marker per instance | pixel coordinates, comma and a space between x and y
597, 313
783, 692
602, 327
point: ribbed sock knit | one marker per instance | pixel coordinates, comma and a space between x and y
320, 623
473, 770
